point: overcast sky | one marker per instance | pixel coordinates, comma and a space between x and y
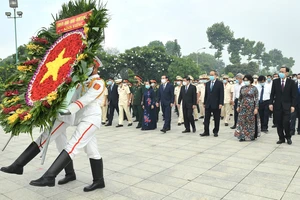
137, 22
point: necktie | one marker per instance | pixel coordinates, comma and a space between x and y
211, 86
282, 85
261, 94
111, 87
164, 86
186, 88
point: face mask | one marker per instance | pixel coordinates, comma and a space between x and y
204, 81
255, 79
262, 84
124, 83
275, 78
152, 84
89, 71
163, 81
184, 83
224, 81
147, 86
237, 81
269, 80
247, 83
211, 78
295, 79
178, 82
109, 82
281, 75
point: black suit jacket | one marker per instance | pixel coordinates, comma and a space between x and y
166, 96
283, 99
215, 97
298, 96
188, 98
113, 95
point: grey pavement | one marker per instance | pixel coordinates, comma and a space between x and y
152, 165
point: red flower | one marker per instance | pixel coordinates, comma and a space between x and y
39, 40
46, 104
31, 62
68, 80
11, 93
11, 109
21, 116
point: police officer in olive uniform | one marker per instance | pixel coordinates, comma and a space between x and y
137, 100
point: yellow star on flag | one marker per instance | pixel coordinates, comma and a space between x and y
54, 66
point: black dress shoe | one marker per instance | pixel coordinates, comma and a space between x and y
194, 130
107, 124
274, 126
196, 120
130, 124
138, 127
222, 118
242, 140
163, 130
167, 129
226, 124
233, 127
204, 134
119, 125
289, 141
179, 124
280, 142
135, 120
103, 123
202, 117
292, 133
186, 131
216, 135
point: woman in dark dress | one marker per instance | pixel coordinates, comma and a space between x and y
149, 122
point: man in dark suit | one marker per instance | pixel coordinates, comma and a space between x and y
297, 110
213, 102
166, 99
113, 99
283, 101
188, 100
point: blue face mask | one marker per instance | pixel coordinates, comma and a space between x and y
147, 86
224, 81
262, 84
247, 83
281, 75
269, 80
212, 78
236, 81
109, 82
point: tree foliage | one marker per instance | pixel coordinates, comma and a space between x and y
173, 48
183, 67
156, 43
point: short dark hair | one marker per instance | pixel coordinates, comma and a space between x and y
249, 78
261, 78
286, 68
216, 73
187, 78
275, 74
269, 75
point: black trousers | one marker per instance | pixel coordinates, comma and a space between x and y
236, 114
188, 118
216, 114
294, 117
166, 109
283, 118
264, 114
112, 108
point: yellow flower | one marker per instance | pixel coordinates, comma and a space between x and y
81, 57
1, 106
27, 117
11, 119
33, 47
86, 30
51, 97
24, 68
13, 100
20, 111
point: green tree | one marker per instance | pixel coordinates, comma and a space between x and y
259, 50
234, 49
289, 62
248, 49
266, 60
130, 75
173, 48
230, 74
219, 35
156, 43
276, 58
245, 68
183, 67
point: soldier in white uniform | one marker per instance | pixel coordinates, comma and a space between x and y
176, 94
203, 79
85, 113
228, 96
124, 103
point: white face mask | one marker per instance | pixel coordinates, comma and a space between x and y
152, 84
163, 81
178, 82
184, 83
89, 71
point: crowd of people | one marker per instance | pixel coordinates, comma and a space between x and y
250, 100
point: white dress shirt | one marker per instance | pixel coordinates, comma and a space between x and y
267, 91
237, 89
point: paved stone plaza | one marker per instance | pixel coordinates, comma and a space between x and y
152, 165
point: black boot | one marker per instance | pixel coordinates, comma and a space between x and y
17, 167
70, 174
97, 171
48, 179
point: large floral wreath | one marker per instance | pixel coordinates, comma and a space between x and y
34, 95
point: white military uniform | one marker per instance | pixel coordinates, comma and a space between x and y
104, 105
226, 109
123, 92
201, 102
86, 115
180, 109
196, 109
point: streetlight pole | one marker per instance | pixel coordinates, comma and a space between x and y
14, 4
197, 55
